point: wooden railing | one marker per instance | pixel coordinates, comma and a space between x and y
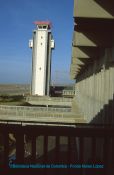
86, 145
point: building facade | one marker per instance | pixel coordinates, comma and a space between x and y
92, 63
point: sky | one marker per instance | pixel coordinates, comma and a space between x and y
16, 27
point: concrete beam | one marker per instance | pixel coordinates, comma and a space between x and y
85, 52
77, 52
77, 61
90, 24
74, 70
94, 9
73, 75
93, 38
81, 61
79, 39
75, 67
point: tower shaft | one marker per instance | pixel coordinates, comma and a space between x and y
42, 45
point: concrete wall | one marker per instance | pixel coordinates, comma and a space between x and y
92, 62
95, 89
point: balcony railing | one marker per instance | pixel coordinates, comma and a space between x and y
86, 145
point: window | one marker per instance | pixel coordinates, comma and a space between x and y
44, 27
40, 27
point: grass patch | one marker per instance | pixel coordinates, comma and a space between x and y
13, 98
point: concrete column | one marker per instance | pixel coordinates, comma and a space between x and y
102, 91
112, 72
93, 93
107, 88
96, 87
111, 93
99, 92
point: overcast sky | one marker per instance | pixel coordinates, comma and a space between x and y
16, 26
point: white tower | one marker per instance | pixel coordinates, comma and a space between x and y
42, 45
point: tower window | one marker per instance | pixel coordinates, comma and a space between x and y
40, 27
44, 27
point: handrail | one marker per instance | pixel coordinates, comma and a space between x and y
35, 109
56, 99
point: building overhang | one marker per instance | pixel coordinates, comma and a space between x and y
93, 32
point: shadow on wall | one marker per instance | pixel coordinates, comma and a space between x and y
109, 7
106, 115
99, 66
99, 38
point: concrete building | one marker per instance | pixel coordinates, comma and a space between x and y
92, 63
42, 45
57, 135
